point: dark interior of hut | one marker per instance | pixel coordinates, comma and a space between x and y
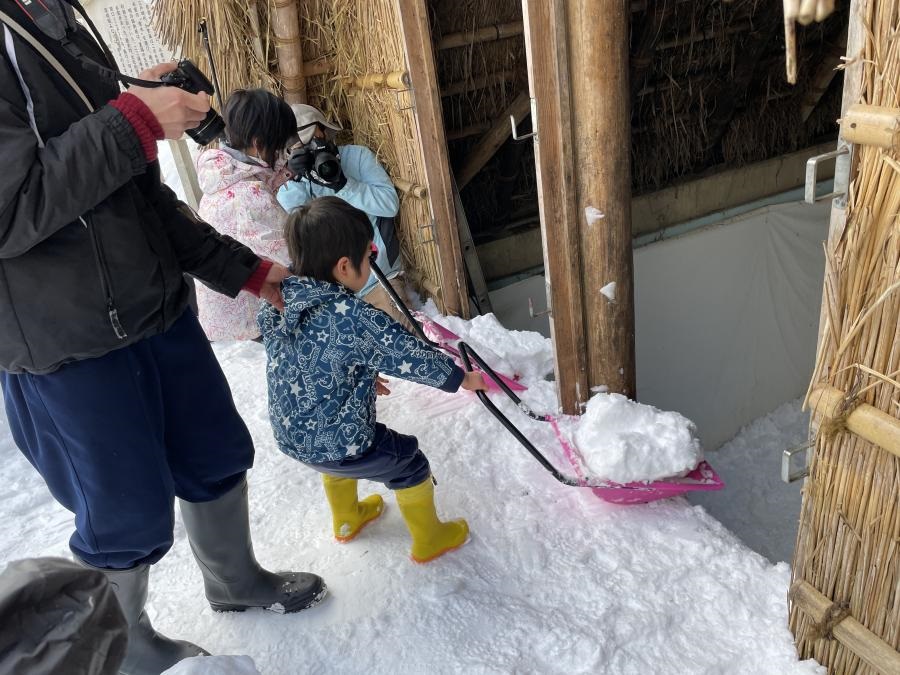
708, 92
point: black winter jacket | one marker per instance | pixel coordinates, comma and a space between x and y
93, 246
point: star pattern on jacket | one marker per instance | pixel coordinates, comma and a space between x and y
324, 354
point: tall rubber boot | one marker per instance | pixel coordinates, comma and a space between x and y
219, 532
349, 515
431, 538
148, 652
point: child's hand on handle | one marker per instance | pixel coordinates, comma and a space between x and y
473, 382
381, 386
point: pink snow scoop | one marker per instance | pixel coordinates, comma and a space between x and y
446, 338
703, 477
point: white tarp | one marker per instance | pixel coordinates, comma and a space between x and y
726, 316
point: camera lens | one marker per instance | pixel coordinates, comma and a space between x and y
327, 166
211, 128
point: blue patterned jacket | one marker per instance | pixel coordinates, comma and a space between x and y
323, 355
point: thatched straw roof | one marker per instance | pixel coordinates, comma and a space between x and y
708, 90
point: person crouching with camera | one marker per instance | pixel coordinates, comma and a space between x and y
352, 173
239, 181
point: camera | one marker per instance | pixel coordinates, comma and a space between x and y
188, 77
317, 161
325, 162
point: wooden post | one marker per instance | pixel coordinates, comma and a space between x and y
601, 130
548, 77
495, 137
872, 125
286, 26
419, 51
187, 172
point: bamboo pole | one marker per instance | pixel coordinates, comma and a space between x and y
319, 66
872, 125
493, 33
489, 143
411, 189
864, 420
398, 79
601, 113
286, 26
832, 619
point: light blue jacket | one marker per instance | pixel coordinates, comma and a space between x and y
323, 355
368, 188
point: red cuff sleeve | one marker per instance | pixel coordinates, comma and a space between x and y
255, 282
145, 124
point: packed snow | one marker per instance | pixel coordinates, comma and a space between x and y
553, 579
625, 441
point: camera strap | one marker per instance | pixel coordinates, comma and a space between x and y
61, 29
9, 22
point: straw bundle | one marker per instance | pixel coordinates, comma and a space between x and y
361, 39
848, 546
238, 31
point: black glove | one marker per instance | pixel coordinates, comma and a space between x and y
300, 162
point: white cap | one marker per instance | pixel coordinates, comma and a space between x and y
307, 118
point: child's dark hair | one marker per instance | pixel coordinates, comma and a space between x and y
258, 116
323, 231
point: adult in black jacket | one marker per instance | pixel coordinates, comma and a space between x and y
111, 389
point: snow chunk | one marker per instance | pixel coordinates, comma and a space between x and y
214, 665
593, 215
609, 291
625, 441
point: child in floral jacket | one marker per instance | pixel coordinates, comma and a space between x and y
239, 182
325, 352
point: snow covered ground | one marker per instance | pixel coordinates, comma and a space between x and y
553, 580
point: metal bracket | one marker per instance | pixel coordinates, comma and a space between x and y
787, 461
513, 124
400, 107
532, 313
812, 166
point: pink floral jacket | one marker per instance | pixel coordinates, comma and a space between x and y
239, 201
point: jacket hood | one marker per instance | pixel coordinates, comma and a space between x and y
303, 295
222, 168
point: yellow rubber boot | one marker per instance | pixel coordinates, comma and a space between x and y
431, 538
349, 515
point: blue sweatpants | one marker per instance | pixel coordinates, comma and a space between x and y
116, 438
393, 459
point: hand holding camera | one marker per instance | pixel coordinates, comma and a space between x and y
183, 105
318, 162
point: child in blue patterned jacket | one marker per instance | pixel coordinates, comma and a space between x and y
324, 353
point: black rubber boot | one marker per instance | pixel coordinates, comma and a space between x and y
148, 652
219, 532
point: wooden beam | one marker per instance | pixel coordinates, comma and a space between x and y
822, 78
652, 212
645, 41
872, 125
721, 190
548, 75
286, 26
187, 172
834, 620
480, 82
319, 66
419, 51
466, 38
489, 143
733, 91
601, 114
471, 130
